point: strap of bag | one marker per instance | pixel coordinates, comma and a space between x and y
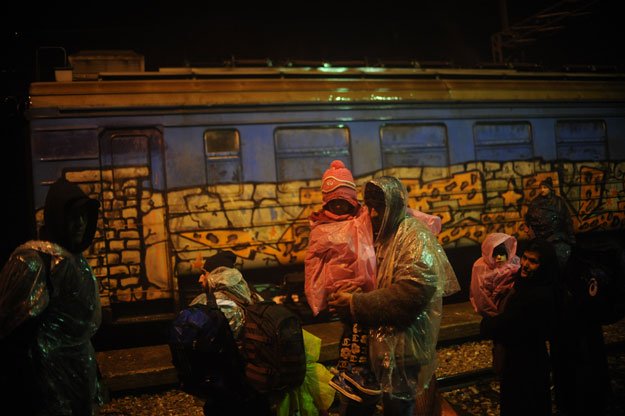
211, 300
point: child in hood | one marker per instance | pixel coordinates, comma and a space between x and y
492, 274
492, 280
341, 257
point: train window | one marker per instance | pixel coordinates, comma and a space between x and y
223, 156
501, 141
65, 144
305, 153
130, 150
414, 144
581, 139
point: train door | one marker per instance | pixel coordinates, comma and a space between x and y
137, 250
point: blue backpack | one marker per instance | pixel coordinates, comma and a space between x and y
204, 351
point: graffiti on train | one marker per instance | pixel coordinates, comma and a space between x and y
145, 237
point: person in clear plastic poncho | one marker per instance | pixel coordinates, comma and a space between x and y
231, 291
49, 310
405, 308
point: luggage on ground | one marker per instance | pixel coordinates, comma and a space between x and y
204, 351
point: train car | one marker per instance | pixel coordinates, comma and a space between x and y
190, 161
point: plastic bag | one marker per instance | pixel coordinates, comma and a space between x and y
315, 393
339, 252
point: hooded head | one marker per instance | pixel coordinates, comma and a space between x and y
386, 199
338, 183
70, 216
221, 259
494, 240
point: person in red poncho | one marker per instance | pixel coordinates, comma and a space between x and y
341, 257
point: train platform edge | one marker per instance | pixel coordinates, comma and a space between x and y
151, 367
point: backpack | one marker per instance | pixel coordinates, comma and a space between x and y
273, 346
595, 276
204, 352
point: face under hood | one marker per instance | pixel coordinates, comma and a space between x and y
63, 199
395, 197
493, 240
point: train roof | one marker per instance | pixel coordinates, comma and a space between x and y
243, 86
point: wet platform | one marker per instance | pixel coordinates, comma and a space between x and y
146, 367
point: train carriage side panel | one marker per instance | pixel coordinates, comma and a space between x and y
196, 176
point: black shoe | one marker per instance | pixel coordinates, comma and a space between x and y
363, 381
338, 383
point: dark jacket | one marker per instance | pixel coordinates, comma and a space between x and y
522, 329
549, 219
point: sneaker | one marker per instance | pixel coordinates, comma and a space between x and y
363, 381
338, 383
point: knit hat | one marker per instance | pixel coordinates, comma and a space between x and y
223, 258
338, 182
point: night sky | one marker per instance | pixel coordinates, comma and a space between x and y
191, 33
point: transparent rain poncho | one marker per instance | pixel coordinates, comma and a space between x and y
405, 360
232, 294
62, 354
433, 222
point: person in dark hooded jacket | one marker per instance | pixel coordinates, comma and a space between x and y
523, 326
549, 219
50, 309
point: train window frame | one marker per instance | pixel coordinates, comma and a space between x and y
311, 152
230, 158
420, 151
503, 148
570, 148
65, 144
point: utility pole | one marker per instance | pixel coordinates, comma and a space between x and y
528, 30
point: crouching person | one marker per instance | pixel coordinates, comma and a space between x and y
204, 344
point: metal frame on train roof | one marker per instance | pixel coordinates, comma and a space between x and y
330, 71
187, 88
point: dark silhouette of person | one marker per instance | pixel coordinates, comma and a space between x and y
522, 328
50, 309
549, 219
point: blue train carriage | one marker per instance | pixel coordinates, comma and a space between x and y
187, 162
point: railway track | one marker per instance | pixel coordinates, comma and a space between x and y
467, 383
476, 392
465, 379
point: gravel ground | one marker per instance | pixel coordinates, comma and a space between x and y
483, 399
480, 400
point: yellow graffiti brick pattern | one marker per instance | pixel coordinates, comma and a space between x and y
472, 202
